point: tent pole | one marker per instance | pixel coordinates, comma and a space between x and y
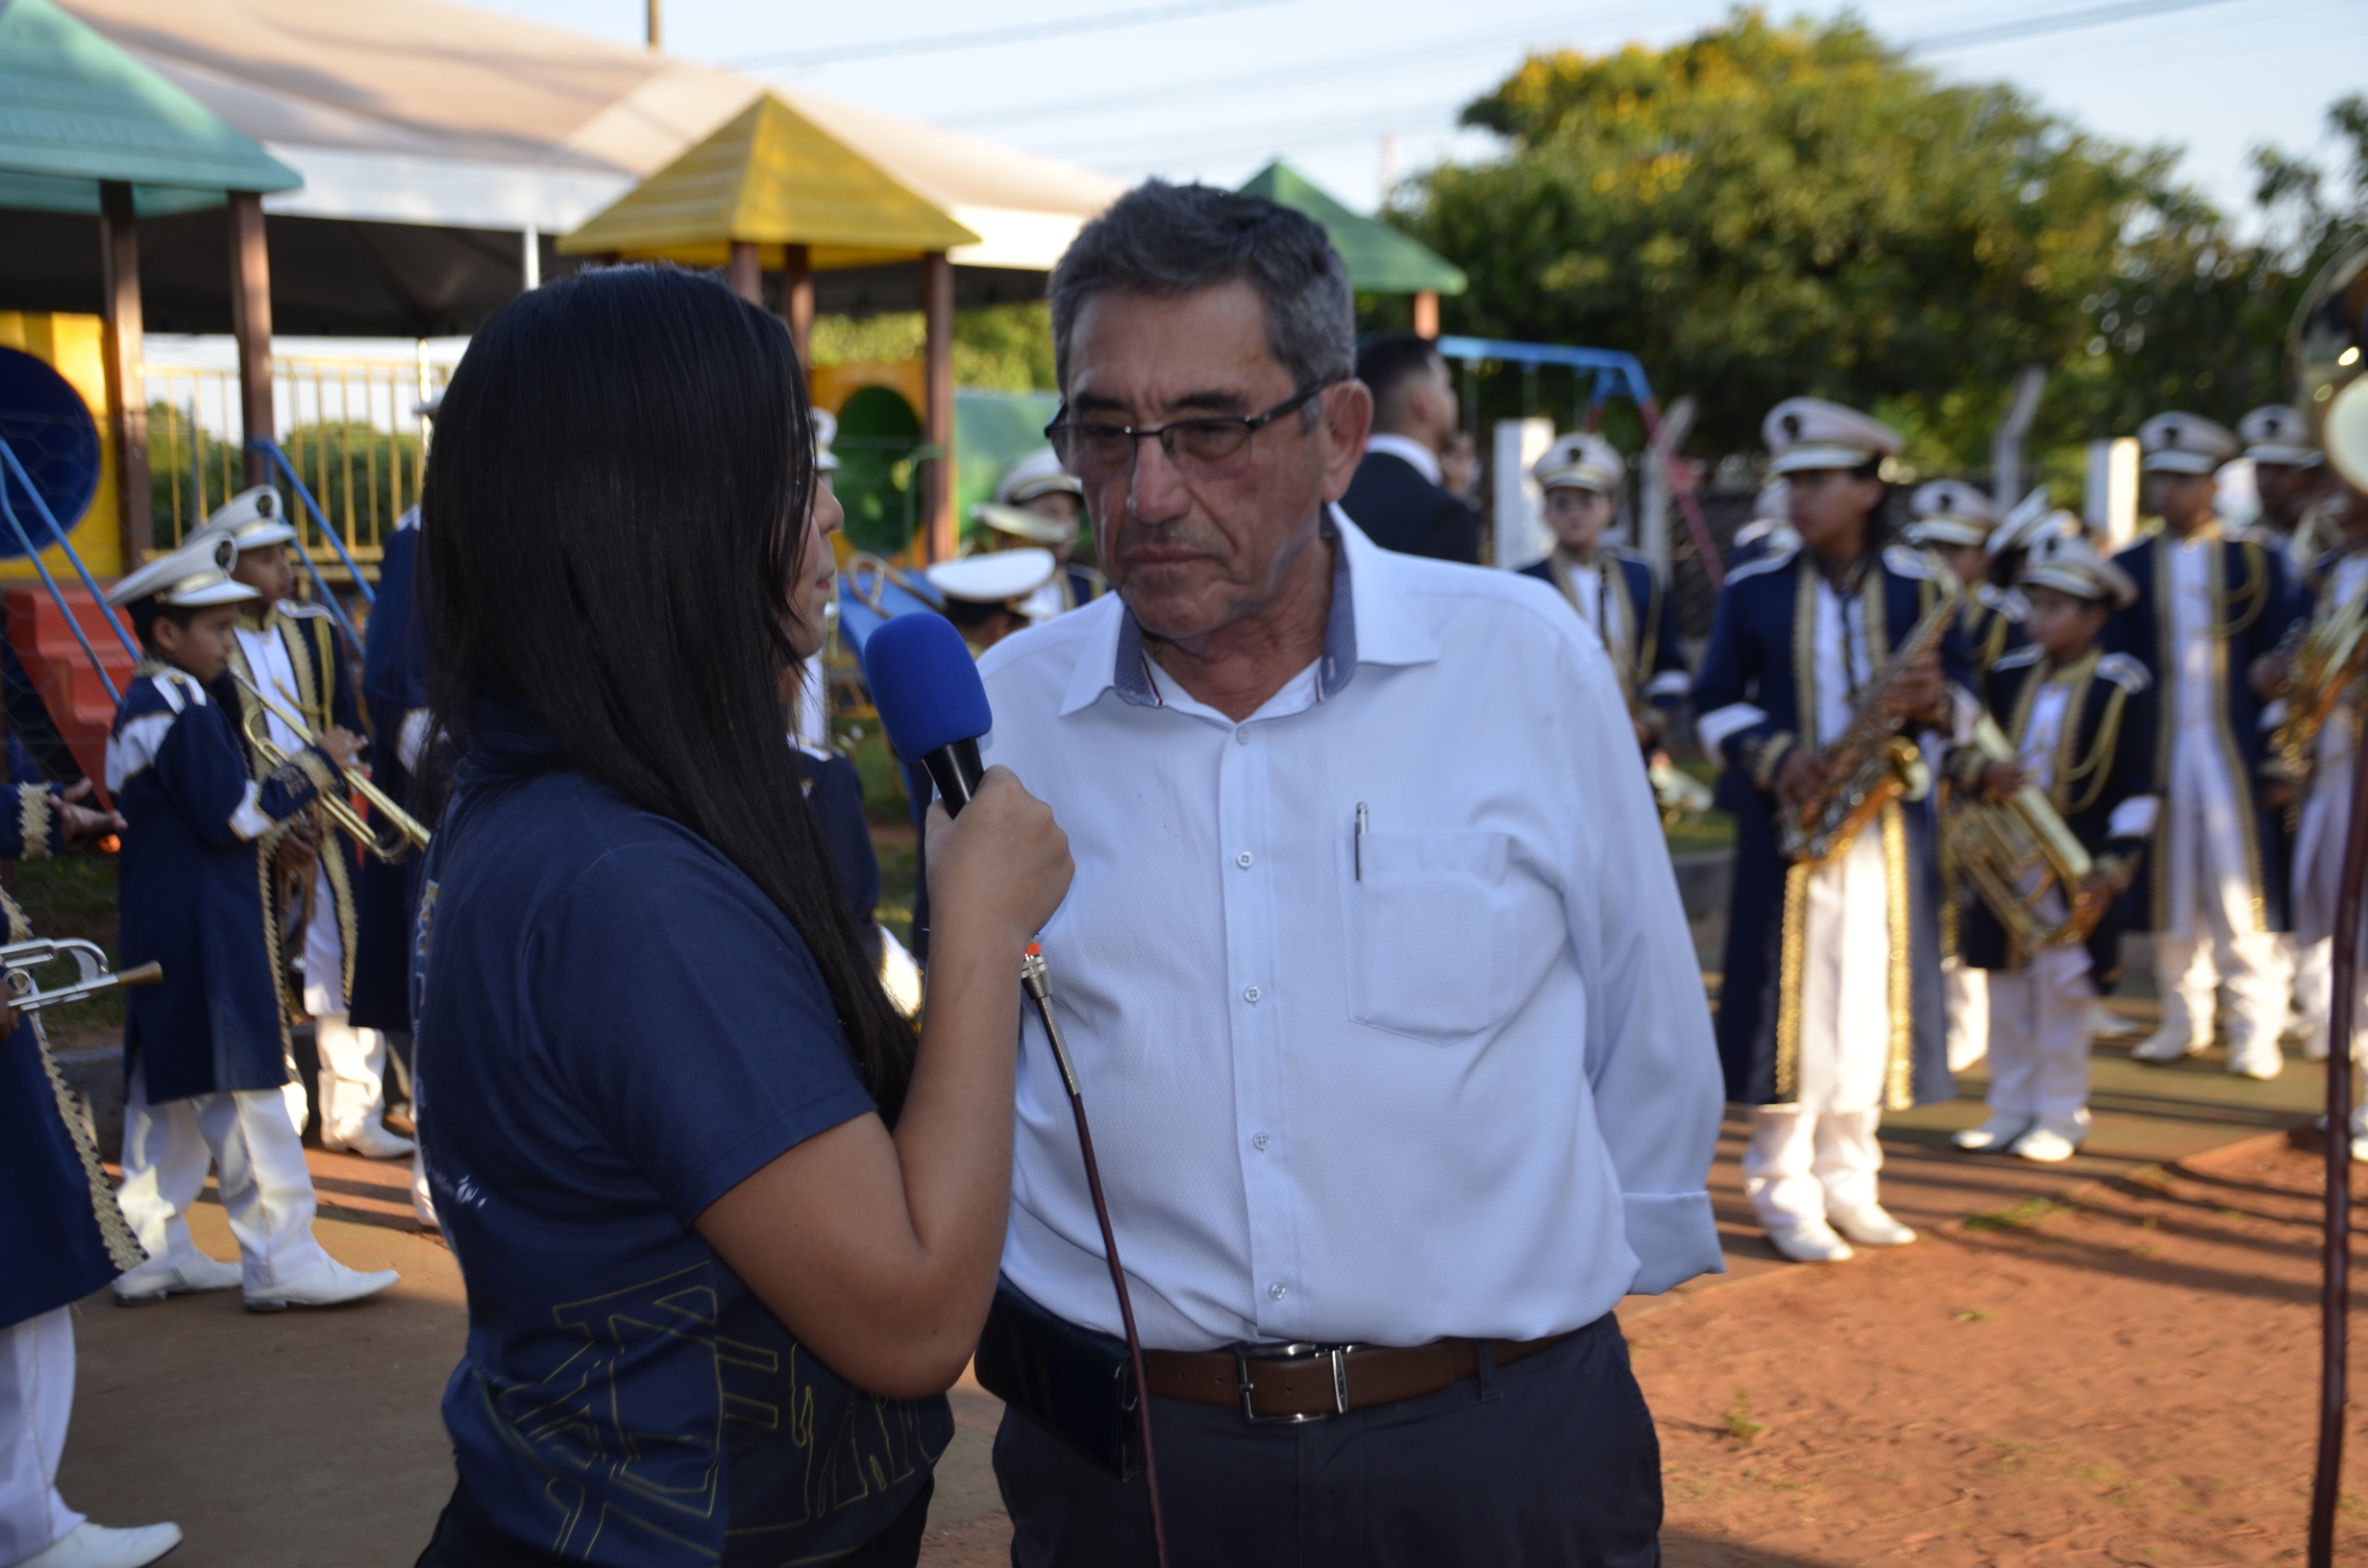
798, 299
127, 391
747, 272
937, 420
1426, 313
251, 324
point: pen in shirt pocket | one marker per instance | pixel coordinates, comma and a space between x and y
1362, 822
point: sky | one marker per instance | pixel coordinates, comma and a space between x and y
1356, 92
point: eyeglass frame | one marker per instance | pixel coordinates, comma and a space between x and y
1251, 425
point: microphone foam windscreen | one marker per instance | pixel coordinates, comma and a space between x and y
924, 684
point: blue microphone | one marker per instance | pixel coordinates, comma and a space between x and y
927, 688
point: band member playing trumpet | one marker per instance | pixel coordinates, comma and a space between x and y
1614, 590
293, 652
1832, 1007
2079, 727
2214, 890
206, 1051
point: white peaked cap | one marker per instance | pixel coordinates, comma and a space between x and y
1950, 512
251, 519
994, 578
2184, 444
1580, 462
2070, 564
2030, 520
1038, 473
825, 431
1810, 432
2277, 433
196, 574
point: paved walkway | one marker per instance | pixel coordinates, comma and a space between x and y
300, 1439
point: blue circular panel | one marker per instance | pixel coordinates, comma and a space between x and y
46, 425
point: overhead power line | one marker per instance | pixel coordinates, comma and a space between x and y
2063, 21
1068, 27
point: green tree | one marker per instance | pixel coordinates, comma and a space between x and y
1766, 209
1000, 348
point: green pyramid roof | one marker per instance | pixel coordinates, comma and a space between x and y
1380, 259
75, 109
770, 177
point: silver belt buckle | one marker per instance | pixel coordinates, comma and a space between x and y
1297, 1351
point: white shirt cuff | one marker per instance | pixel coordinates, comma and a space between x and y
2133, 818
1715, 728
1674, 1238
1670, 683
248, 821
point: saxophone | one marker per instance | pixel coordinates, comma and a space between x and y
1870, 763
2323, 670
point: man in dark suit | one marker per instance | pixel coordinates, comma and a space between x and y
1395, 496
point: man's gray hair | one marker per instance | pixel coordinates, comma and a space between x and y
1168, 240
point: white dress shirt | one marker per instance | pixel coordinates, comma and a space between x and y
1407, 450
1451, 1076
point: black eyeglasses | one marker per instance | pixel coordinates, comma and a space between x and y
1201, 449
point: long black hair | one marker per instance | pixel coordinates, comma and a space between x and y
614, 513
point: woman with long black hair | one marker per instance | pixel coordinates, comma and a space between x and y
728, 1230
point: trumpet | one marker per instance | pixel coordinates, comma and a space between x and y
19, 959
405, 832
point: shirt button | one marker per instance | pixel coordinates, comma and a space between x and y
1244, 859
1241, 736
1276, 1291
1249, 994
1259, 1141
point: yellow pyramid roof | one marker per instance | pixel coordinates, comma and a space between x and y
770, 177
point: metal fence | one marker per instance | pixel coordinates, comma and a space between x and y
348, 426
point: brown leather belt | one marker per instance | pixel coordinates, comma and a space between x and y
1307, 1382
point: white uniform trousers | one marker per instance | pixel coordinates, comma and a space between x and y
1964, 992
267, 1189
2314, 992
353, 1076
1802, 1165
2210, 936
2038, 1039
37, 1397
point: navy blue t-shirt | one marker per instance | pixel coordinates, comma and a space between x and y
615, 1028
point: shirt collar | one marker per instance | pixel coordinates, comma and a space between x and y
1421, 458
1372, 620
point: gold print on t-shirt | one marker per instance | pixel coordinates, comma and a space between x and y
576, 1422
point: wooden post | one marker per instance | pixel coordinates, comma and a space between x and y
1426, 313
798, 299
127, 392
747, 272
251, 324
940, 542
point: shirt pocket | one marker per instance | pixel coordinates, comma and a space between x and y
1424, 922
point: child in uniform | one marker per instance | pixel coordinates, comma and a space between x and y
2081, 722
206, 1051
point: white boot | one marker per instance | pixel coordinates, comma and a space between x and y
328, 1284
1808, 1242
95, 1546
147, 1284
2164, 1047
2050, 1141
1994, 1133
1872, 1226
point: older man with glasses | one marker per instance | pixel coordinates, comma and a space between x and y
1374, 970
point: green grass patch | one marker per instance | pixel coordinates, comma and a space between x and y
1738, 1422
2020, 1216
73, 895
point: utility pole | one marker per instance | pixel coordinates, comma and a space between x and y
657, 44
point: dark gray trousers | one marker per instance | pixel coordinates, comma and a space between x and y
1550, 1462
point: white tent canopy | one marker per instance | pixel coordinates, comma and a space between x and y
414, 111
